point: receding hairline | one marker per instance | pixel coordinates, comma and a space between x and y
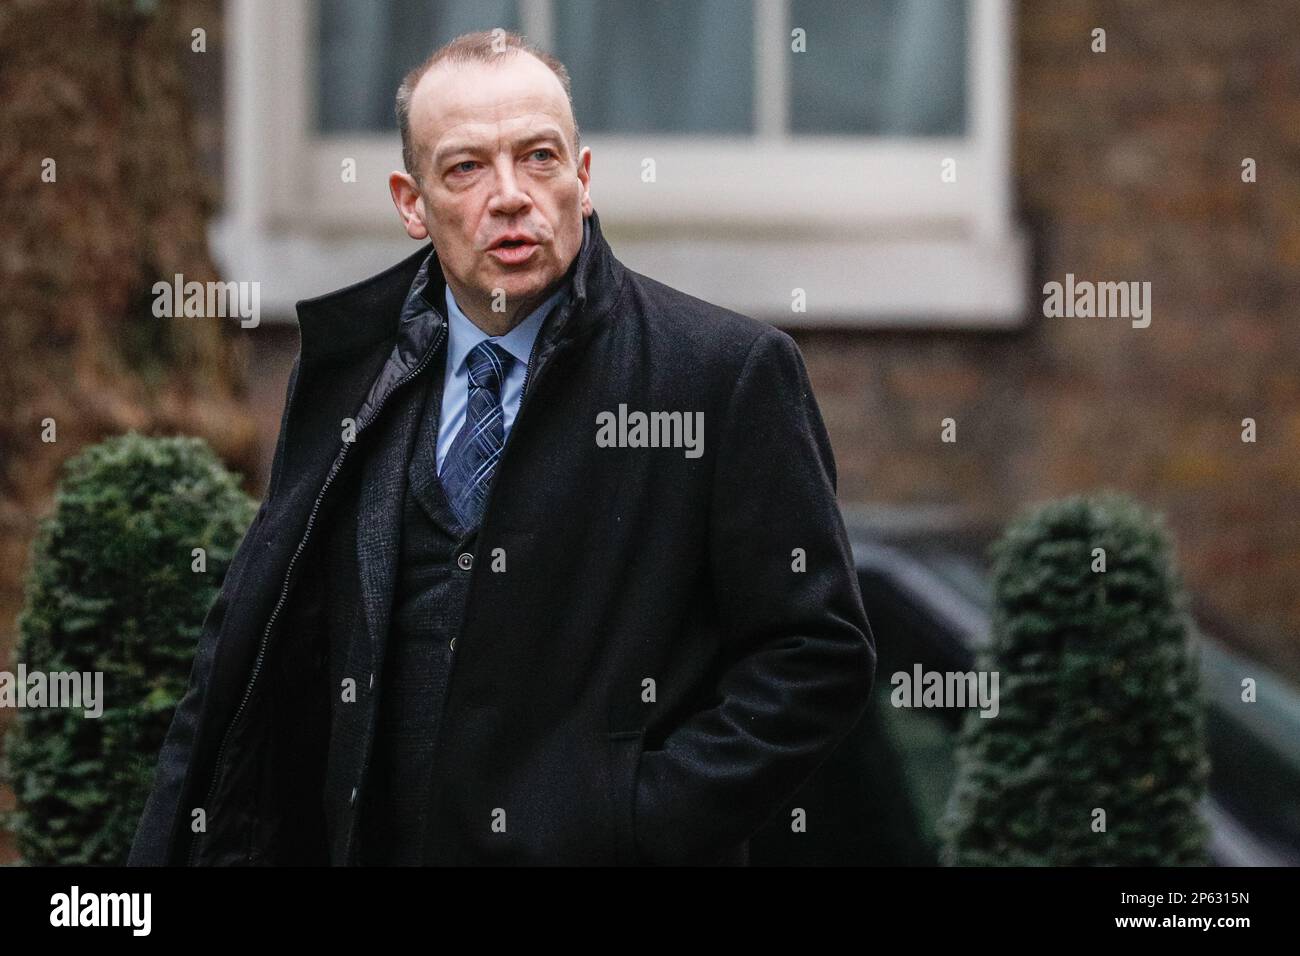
481, 48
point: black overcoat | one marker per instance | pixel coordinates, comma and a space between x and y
665, 648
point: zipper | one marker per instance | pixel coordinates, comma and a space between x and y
288, 576
528, 370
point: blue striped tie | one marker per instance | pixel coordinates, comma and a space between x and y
472, 459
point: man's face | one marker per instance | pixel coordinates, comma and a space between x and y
495, 148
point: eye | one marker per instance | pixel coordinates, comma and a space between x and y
547, 153
464, 162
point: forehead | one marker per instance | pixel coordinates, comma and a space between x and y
482, 100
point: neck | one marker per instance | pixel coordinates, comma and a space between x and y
478, 308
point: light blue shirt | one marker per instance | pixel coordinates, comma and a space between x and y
462, 336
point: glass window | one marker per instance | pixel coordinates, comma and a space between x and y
871, 67
366, 48
668, 66
879, 67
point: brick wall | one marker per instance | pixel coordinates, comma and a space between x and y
1128, 166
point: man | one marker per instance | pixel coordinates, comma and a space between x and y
551, 569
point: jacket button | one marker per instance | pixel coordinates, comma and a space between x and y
352, 801
452, 645
466, 561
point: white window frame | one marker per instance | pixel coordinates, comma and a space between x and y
873, 236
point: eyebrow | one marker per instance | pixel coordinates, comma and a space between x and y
466, 146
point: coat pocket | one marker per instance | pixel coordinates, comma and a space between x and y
625, 747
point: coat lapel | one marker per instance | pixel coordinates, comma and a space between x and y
379, 520
422, 476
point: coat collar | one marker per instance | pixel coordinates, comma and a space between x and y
360, 316
406, 304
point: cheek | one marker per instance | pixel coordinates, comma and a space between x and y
454, 234
567, 191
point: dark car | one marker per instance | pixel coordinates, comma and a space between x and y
925, 583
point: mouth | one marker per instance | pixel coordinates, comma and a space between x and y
513, 251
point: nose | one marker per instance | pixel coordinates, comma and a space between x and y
507, 197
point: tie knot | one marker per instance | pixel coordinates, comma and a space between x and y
488, 363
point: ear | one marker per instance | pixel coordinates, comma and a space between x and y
584, 177
409, 203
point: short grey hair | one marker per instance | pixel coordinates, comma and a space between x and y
485, 46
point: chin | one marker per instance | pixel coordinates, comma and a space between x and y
523, 283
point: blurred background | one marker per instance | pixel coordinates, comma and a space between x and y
891, 181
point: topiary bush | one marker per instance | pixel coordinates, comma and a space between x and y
1101, 706
113, 588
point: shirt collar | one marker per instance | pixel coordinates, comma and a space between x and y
463, 334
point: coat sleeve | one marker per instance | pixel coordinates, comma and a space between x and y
801, 652
155, 842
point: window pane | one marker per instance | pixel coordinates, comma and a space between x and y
892, 67
670, 66
872, 67
365, 48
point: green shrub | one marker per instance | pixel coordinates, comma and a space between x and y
1101, 704
112, 588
